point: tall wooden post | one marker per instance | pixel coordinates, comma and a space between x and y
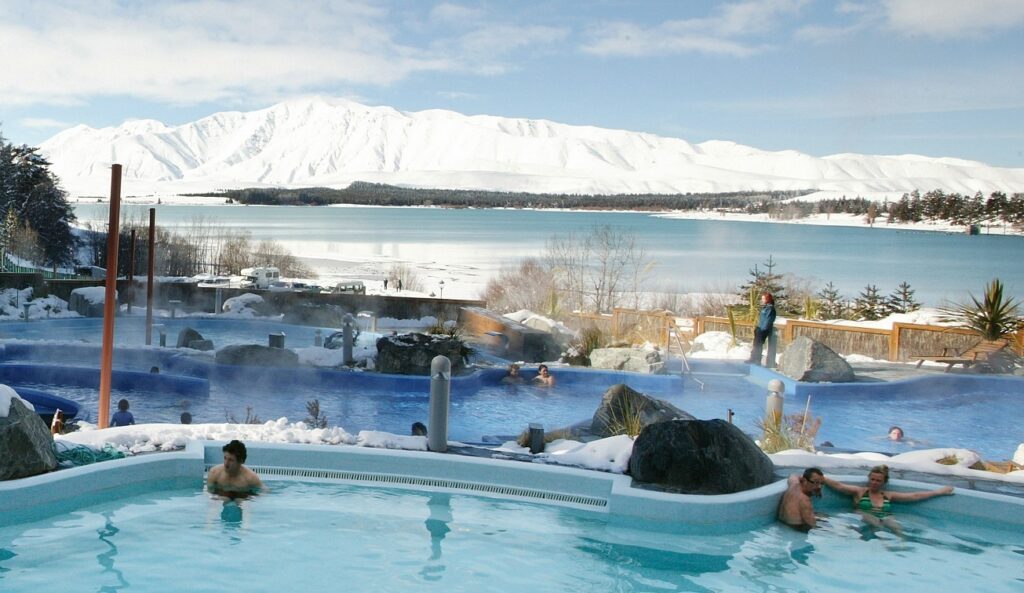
130, 293
149, 276
110, 298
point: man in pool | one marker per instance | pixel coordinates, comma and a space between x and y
796, 508
232, 478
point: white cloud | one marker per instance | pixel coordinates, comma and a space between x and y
197, 51
723, 33
44, 123
953, 18
455, 13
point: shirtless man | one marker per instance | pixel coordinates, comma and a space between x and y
232, 478
796, 509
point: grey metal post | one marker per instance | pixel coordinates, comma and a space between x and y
773, 403
346, 337
26, 306
536, 438
440, 393
218, 301
318, 338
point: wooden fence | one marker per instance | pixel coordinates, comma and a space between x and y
899, 344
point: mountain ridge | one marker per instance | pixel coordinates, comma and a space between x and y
333, 142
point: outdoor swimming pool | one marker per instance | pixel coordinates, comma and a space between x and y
978, 413
307, 535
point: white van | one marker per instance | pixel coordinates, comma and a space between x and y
260, 278
350, 287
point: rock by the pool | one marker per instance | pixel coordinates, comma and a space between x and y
813, 362
699, 457
188, 335
637, 360
26, 444
411, 354
257, 355
621, 402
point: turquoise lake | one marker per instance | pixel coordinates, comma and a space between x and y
470, 245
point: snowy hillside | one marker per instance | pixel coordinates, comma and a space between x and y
333, 142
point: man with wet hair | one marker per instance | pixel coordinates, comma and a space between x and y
796, 508
232, 478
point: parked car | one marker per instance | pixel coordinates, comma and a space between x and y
350, 287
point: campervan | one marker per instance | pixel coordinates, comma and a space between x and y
350, 287
260, 278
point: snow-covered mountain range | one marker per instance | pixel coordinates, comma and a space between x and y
333, 142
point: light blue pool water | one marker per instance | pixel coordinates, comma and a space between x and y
305, 536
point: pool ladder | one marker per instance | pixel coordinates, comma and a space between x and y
673, 334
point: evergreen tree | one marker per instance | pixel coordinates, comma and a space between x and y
766, 281
831, 302
869, 305
32, 193
902, 300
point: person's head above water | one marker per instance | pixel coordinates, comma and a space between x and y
237, 450
122, 405
896, 433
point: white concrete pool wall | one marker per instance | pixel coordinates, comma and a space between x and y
608, 494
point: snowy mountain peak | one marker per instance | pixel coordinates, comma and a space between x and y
318, 141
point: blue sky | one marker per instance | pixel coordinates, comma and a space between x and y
930, 77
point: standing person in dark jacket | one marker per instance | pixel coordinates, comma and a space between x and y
763, 330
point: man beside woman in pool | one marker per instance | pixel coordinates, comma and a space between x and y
544, 377
872, 501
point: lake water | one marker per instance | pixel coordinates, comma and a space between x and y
467, 247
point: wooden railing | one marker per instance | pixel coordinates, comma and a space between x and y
899, 344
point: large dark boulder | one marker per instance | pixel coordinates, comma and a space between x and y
411, 354
623, 405
26, 445
188, 335
257, 355
699, 457
813, 362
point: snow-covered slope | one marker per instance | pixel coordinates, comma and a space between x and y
333, 142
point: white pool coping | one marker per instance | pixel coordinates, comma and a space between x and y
611, 495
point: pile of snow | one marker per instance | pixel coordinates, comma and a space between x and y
94, 295
242, 306
541, 323
719, 345
7, 395
13, 301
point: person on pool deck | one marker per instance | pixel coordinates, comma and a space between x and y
232, 478
544, 376
122, 417
873, 503
796, 508
763, 329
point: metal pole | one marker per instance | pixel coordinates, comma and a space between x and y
347, 338
440, 394
110, 298
149, 277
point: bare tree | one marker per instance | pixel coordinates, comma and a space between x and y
596, 270
528, 286
404, 276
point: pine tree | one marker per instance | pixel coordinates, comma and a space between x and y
869, 305
902, 300
767, 281
831, 302
32, 193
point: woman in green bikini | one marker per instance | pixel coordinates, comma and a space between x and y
875, 504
